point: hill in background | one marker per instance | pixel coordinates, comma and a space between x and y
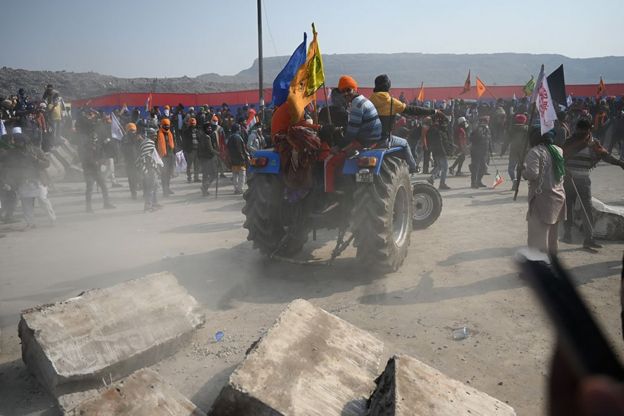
405, 70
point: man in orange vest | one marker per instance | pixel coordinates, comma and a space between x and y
165, 146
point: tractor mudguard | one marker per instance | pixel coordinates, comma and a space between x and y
351, 165
272, 165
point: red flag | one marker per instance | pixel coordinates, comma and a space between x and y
466, 84
148, 102
480, 88
421, 93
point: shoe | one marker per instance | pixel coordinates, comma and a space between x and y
590, 249
487, 173
157, 207
592, 244
108, 205
444, 186
223, 175
481, 185
430, 180
451, 171
116, 185
460, 173
170, 192
196, 180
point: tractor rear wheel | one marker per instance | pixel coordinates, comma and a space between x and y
382, 216
264, 219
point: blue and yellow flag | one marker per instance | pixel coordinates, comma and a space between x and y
281, 84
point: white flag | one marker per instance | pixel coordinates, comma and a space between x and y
3, 130
157, 158
540, 77
116, 130
569, 100
545, 107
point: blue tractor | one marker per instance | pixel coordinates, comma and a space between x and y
364, 193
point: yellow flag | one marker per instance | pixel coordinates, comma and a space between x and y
316, 75
480, 88
421, 93
307, 80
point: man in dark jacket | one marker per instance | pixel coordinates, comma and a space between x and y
437, 138
130, 147
206, 153
91, 155
480, 139
190, 144
239, 157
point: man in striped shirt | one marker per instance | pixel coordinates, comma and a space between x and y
149, 163
582, 152
364, 124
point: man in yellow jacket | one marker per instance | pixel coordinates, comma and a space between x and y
387, 108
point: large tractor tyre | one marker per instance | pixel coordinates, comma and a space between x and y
382, 216
263, 217
427, 203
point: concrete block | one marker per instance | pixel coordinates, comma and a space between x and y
106, 334
67, 156
409, 387
608, 221
141, 394
309, 363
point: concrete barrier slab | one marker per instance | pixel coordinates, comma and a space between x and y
309, 363
409, 387
141, 394
106, 334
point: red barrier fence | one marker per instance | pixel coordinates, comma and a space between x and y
236, 98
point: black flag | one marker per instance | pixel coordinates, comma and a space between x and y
556, 84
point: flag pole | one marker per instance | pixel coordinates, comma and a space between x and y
329, 119
260, 72
526, 145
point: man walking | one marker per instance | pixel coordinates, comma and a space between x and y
206, 153
165, 146
582, 153
91, 154
239, 157
544, 169
190, 144
130, 145
480, 139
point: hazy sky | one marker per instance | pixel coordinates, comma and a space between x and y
157, 38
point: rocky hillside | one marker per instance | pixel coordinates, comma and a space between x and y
405, 70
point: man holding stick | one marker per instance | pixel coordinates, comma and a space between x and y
582, 152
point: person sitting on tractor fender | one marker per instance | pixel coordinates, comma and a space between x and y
364, 123
388, 107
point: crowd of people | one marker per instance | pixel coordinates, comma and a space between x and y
205, 142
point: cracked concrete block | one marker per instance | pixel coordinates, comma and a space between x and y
409, 387
103, 335
140, 394
310, 362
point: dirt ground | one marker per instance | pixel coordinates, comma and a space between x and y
458, 273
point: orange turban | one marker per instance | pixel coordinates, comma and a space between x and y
346, 82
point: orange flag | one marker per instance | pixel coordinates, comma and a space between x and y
308, 78
480, 88
421, 93
601, 87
